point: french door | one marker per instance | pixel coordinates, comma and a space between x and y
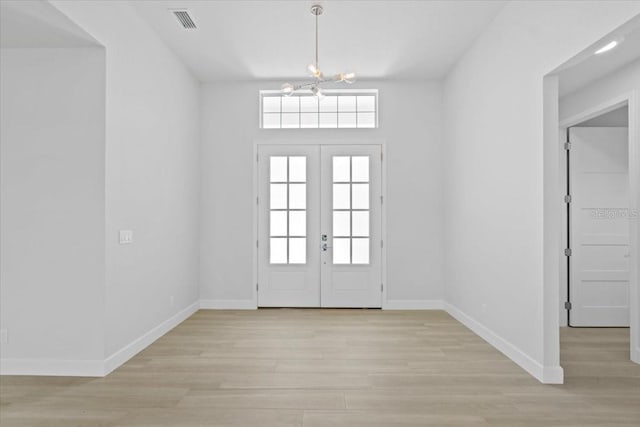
319, 226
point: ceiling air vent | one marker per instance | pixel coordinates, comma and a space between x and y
184, 18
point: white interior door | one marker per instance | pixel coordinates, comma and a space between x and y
599, 224
319, 226
351, 226
288, 226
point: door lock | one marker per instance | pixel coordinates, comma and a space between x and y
325, 247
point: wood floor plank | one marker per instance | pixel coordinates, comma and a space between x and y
287, 367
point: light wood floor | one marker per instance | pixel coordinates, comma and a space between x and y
334, 368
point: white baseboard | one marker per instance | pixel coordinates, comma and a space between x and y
635, 355
52, 367
426, 304
544, 374
227, 304
127, 352
94, 368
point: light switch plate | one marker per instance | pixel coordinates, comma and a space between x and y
126, 237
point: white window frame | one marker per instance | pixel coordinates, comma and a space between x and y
327, 92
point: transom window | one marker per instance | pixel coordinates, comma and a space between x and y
351, 210
337, 109
287, 209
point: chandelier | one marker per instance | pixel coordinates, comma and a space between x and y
316, 74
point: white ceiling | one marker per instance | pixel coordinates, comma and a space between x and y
243, 40
30, 24
586, 67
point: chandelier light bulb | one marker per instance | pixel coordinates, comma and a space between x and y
287, 88
316, 91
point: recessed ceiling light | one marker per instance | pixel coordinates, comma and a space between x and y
607, 47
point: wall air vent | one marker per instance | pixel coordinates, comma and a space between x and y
184, 18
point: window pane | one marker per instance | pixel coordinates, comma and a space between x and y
328, 120
360, 251
309, 104
271, 104
329, 103
347, 103
341, 196
297, 196
341, 169
271, 121
360, 165
335, 110
297, 169
341, 251
346, 120
360, 196
278, 196
290, 120
309, 120
341, 223
297, 251
366, 120
360, 221
367, 103
278, 169
297, 223
278, 223
278, 251
290, 104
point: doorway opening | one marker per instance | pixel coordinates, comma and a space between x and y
597, 220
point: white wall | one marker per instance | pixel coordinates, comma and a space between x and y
494, 171
152, 172
410, 123
52, 205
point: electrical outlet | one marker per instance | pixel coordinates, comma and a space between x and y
126, 237
4, 336
484, 308
171, 300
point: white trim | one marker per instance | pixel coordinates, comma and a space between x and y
228, 304
383, 231
598, 110
52, 367
420, 304
121, 356
94, 368
544, 374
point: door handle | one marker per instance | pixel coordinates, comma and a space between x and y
325, 247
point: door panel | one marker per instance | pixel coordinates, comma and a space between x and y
351, 226
288, 222
599, 178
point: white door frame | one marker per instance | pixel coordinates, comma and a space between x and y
320, 141
631, 99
